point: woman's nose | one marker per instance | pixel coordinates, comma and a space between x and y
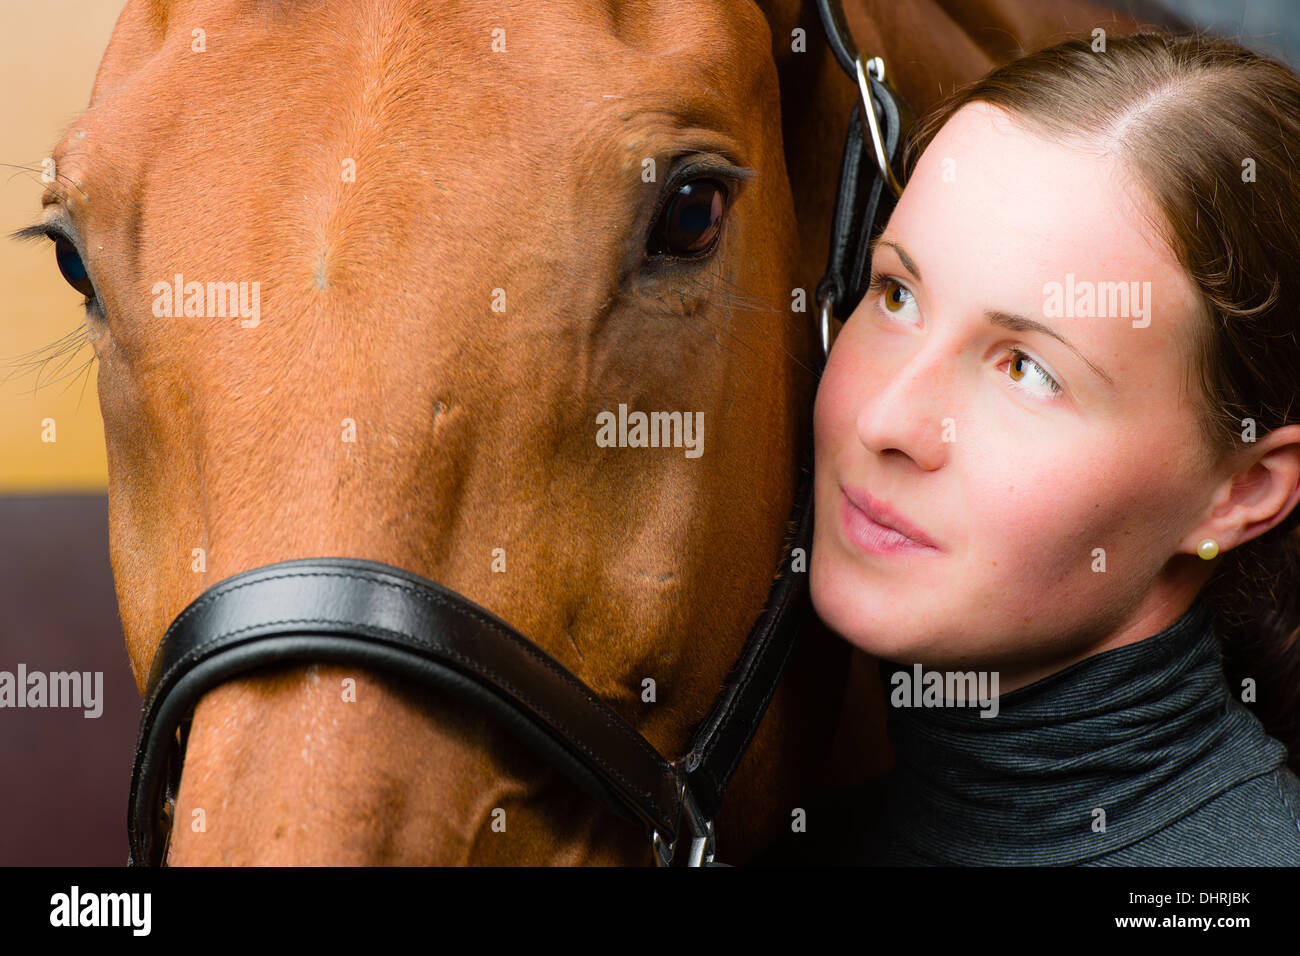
911, 406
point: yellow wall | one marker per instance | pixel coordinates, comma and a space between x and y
51, 50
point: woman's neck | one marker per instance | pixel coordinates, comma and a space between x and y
1077, 764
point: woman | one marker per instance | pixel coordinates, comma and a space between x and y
1072, 388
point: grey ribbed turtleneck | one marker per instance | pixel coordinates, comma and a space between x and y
1147, 733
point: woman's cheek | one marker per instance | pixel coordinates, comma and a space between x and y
833, 408
846, 385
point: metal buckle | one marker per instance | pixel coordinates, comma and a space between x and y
663, 851
830, 326
703, 839
703, 843
868, 112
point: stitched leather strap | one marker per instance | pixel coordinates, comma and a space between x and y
340, 609
838, 35
724, 735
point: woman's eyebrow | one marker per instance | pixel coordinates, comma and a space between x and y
1008, 320
1018, 323
908, 264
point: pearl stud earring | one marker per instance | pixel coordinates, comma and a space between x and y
1208, 549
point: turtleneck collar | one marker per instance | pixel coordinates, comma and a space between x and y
1144, 733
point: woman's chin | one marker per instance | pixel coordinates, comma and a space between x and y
877, 625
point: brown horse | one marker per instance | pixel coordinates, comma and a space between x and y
450, 231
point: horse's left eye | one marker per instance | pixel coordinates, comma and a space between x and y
689, 224
73, 269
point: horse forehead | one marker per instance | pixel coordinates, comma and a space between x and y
536, 49
415, 92
573, 80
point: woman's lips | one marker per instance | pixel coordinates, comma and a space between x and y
873, 537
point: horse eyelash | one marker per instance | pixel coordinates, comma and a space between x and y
48, 230
67, 345
36, 232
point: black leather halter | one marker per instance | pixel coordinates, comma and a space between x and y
379, 616
869, 181
375, 615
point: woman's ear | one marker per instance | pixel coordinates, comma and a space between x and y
1259, 493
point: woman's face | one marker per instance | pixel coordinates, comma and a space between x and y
1032, 465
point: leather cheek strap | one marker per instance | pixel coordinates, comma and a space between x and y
348, 610
863, 205
863, 200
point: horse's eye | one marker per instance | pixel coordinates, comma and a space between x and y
73, 269
689, 224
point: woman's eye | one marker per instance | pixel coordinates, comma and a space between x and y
893, 291
73, 269
689, 224
1021, 366
894, 296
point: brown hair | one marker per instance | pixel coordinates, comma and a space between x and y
1194, 109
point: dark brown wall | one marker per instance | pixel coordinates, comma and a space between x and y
63, 777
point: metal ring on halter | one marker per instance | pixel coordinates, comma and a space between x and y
828, 329
703, 844
663, 851
702, 841
703, 848
868, 112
